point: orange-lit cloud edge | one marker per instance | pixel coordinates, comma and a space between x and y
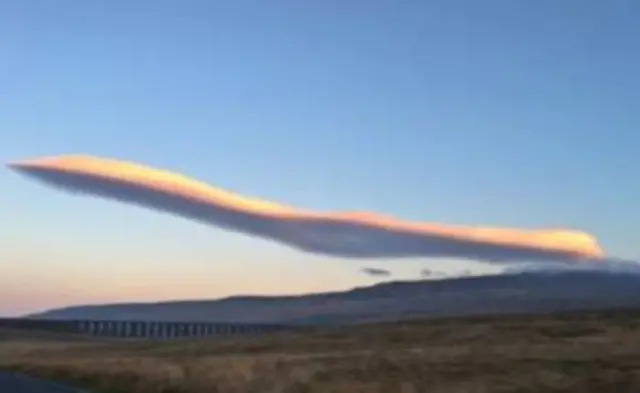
567, 243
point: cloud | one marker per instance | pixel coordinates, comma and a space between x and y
372, 271
347, 235
611, 265
426, 273
429, 273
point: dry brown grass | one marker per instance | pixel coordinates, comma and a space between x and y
586, 352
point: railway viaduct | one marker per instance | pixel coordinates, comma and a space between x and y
139, 329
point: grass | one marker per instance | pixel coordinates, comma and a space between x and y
578, 352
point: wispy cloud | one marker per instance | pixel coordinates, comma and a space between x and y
606, 265
351, 235
372, 271
426, 273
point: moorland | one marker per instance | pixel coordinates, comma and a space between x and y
588, 351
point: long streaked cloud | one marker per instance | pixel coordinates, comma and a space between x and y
343, 234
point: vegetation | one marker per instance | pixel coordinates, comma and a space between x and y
578, 352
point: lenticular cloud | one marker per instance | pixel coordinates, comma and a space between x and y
343, 234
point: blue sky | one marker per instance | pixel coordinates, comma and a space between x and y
502, 113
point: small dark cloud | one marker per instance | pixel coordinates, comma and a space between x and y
376, 272
426, 272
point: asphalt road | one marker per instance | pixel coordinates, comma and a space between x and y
18, 383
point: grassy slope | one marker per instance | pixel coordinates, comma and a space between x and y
578, 352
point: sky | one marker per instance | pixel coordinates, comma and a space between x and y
498, 113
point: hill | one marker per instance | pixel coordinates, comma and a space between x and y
527, 292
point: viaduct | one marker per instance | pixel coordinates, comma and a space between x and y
139, 329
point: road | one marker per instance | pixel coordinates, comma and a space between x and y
18, 383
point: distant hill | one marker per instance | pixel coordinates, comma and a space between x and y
527, 292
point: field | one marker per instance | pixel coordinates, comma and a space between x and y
577, 352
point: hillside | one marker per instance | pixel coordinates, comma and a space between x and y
528, 292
